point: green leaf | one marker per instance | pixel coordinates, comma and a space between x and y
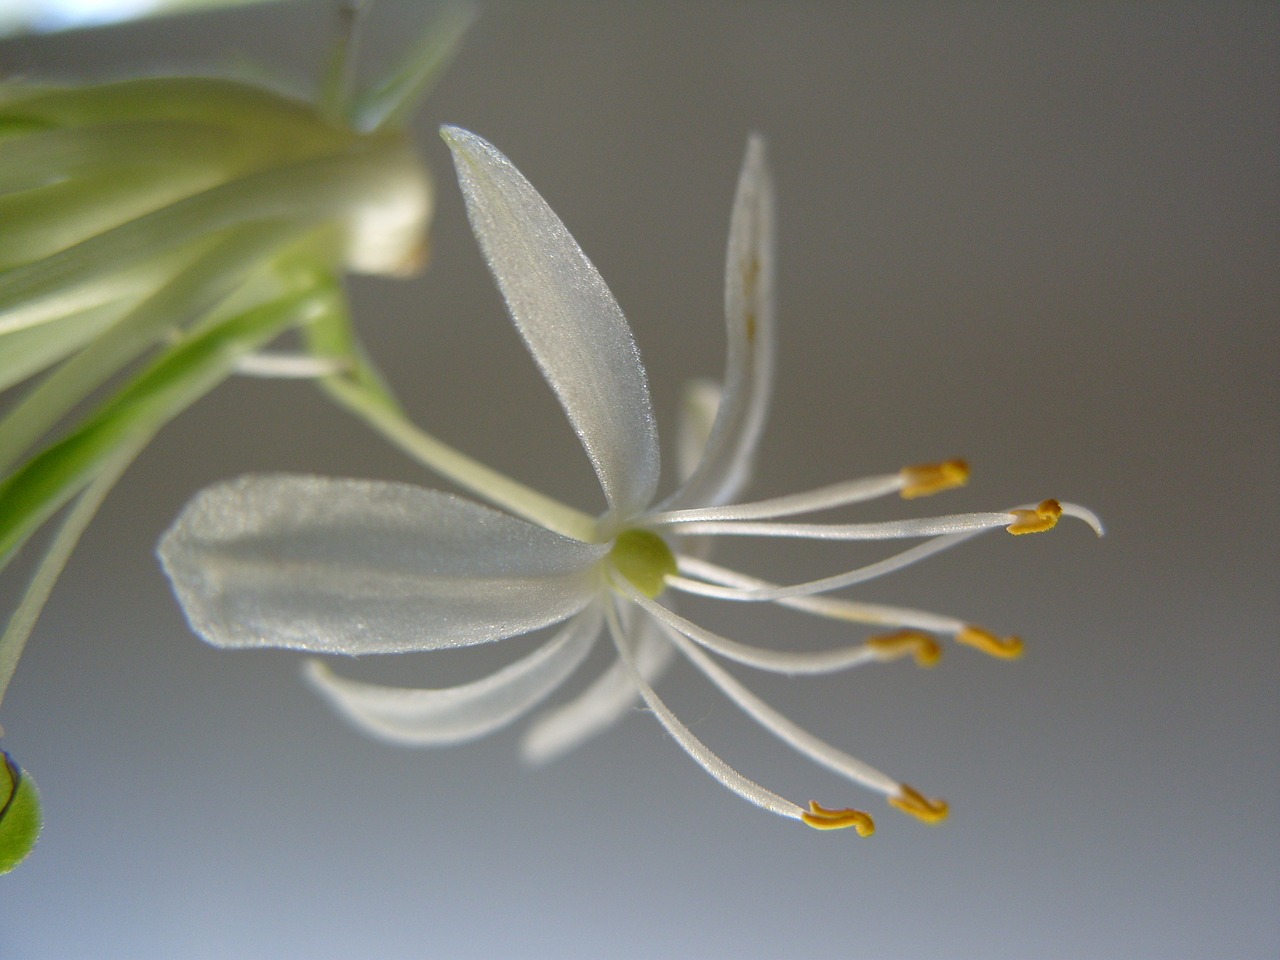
184, 296
20, 818
389, 103
178, 378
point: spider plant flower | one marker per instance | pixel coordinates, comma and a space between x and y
357, 567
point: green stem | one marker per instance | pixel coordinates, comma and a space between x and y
90, 461
363, 391
14, 639
470, 474
390, 103
191, 293
183, 374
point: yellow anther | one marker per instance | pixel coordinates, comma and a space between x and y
912, 801
1006, 648
915, 643
925, 479
820, 818
1043, 517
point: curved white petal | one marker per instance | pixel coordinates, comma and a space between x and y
353, 566
466, 712
749, 323
568, 318
606, 701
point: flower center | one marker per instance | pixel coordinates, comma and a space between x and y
644, 559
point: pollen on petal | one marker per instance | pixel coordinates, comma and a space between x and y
1006, 648
926, 479
912, 801
903, 643
1043, 517
822, 818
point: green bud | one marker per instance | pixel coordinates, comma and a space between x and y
19, 814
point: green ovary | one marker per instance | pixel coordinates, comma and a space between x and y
644, 559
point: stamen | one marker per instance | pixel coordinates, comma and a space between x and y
950, 524
860, 575
730, 585
812, 501
747, 789
774, 661
914, 643
1043, 517
926, 479
1005, 648
821, 818
784, 728
910, 800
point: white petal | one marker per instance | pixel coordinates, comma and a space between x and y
352, 566
569, 320
465, 712
609, 698
749, 322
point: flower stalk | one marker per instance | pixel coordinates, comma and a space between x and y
356, 567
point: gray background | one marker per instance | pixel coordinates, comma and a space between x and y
1040, 236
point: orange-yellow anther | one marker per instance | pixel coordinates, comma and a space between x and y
912, 801
925, 479
1043, 517
914, 643
1006, 648
820, 818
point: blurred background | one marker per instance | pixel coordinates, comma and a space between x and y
1040, 236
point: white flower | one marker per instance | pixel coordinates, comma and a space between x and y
355, 567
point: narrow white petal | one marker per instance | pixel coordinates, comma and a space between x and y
784, 728
710, 762
606, 701
466, 712
749, 325
568, 318
352, 566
